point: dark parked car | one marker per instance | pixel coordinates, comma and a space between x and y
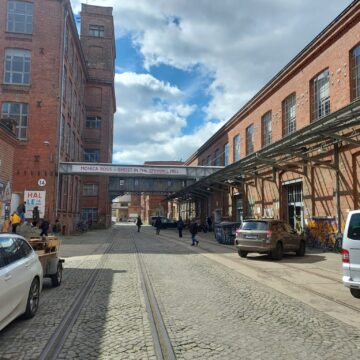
168, 223
268, 236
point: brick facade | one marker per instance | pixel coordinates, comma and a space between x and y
56, 99
330, 50
8, 145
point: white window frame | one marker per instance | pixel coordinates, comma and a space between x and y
11, 57
21, 118
19, 10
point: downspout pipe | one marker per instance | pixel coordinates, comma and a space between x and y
61, 82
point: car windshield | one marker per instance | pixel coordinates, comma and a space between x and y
254, 225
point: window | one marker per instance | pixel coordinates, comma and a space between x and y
90, 189
19, 17
93, 122
19, 113
64, 192
62, 141
68, 139
25, 248
289, 115
250, 139
320, 92
355, 72
96, 30
17, 66
226, 154
354, 227
266, 129
11, 249
209, 160
236, 148
217, 158
89, 214
92, 155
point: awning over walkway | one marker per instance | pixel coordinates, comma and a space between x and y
306, 147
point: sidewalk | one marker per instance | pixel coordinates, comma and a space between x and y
315, 279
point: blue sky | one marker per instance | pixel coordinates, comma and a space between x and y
183, 67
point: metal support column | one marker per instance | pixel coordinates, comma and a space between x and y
337, 185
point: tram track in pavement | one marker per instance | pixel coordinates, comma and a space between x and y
55, 343
162, 343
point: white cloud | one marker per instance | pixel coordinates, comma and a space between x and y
242, 43
149, 123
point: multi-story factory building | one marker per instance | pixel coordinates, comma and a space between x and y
58, 88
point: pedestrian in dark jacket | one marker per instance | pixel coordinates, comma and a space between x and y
180, 226
21, 210
44, 228
138, 223
158, 225
209, 223
35, 216
193, 228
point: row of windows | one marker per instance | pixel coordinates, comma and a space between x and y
70, 199
320, 107
20, 19
19, 113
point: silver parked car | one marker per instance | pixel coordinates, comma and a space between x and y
351, 253
21, 277
268, 236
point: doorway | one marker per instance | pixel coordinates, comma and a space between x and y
293, 193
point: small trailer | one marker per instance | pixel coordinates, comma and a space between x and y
47, 249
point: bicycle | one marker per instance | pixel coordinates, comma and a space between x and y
338, 243
81, 227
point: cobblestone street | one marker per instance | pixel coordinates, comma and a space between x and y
210, 308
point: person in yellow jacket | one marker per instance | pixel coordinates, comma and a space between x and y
15, 221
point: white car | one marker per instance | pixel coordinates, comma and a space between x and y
351, 253
21, 277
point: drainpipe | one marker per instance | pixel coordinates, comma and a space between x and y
337, 185
57, 190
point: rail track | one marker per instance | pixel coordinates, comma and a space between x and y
162, 343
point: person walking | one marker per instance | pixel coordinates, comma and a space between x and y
193, 228
35, 216
21, 210
138, 223
56, 228
15, 220
180, 226
209, 223
158, 225
44, 228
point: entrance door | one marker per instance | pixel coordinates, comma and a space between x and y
239, 207
295, 206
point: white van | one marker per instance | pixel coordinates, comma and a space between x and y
351, 253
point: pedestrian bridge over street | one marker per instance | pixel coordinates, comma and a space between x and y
161, 179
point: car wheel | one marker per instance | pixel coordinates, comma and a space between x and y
301, 250
32, 304
277, 254
56, 278
355, 293
242, 253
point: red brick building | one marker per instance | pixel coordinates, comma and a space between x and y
8, 145
60, 91
292, 151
